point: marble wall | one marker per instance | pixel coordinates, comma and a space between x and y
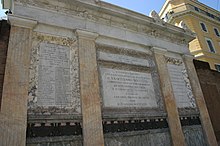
103, 75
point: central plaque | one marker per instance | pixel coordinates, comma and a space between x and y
121, 88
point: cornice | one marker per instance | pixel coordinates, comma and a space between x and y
108, 14
206, 7
190, 12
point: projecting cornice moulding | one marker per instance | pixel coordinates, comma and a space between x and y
21, 22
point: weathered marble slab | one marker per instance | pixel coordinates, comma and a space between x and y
55, 141
181, 86
121, 88
158, 137
194, 135
123, 59
54, 75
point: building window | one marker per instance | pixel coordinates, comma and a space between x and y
217, 67
216, 32
210, 45
210, 15
197, 9
203, 27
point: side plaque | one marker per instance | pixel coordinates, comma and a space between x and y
121, 88
181, 86
54, 75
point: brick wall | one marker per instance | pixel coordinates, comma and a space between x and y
4, 38
210, 83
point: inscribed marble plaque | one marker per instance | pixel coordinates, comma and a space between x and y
121, 88
181, 86
54, 75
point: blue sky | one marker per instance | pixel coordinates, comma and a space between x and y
144, 6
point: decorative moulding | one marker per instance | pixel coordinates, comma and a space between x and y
114, 16
188, 57
21, 21
86, 34
159, 50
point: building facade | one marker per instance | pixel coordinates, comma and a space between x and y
202, 20
86, 72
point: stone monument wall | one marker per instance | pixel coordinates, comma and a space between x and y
99, 75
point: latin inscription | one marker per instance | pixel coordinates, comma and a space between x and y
182, 89
127, 89
54, 75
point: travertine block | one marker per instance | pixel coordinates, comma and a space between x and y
13, 114
169, 100
89, 85
14, 97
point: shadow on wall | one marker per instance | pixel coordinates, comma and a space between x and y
4, 38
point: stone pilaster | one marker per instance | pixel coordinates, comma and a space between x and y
197, 92
13, 113
169, 99
89, 90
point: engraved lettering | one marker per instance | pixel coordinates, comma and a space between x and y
182, 93
127, 89
54, 75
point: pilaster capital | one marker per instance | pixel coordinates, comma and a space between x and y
188, 58
158, 50
82, 34
21, 21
